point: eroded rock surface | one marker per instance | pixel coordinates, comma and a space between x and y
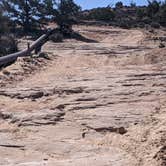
96, 104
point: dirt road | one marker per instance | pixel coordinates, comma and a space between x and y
101, 104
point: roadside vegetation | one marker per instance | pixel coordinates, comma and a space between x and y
154, 14
32, 17
8, 44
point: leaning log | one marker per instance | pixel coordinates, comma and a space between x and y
8, 59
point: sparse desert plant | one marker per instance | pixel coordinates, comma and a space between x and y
119, 5
153, 8
162, 14
133, 4
8, 45
4, 28
125, 24
141, 25
25, 13
155, 25
140, 13
102, 14
64, 12
7, 42
56, 37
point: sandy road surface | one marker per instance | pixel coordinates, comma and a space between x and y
101, 104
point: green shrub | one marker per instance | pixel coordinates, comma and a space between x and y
119, 4
4, 24
102, 14
155, 25
153, 8
140, 13
125, 23
8, 45
25, 13
141, 25
7, 42
56, 38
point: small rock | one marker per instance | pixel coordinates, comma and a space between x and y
37, 95
44, 55
161, 45
45, 159
121, 130
5, 72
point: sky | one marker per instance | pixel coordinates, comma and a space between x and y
88, 4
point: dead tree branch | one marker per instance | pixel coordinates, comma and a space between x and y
8, 59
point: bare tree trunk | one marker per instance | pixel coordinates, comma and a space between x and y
26, 52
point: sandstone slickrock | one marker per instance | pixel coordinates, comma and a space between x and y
96, 104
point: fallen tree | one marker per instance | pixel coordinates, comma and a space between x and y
36, 45
8, 59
